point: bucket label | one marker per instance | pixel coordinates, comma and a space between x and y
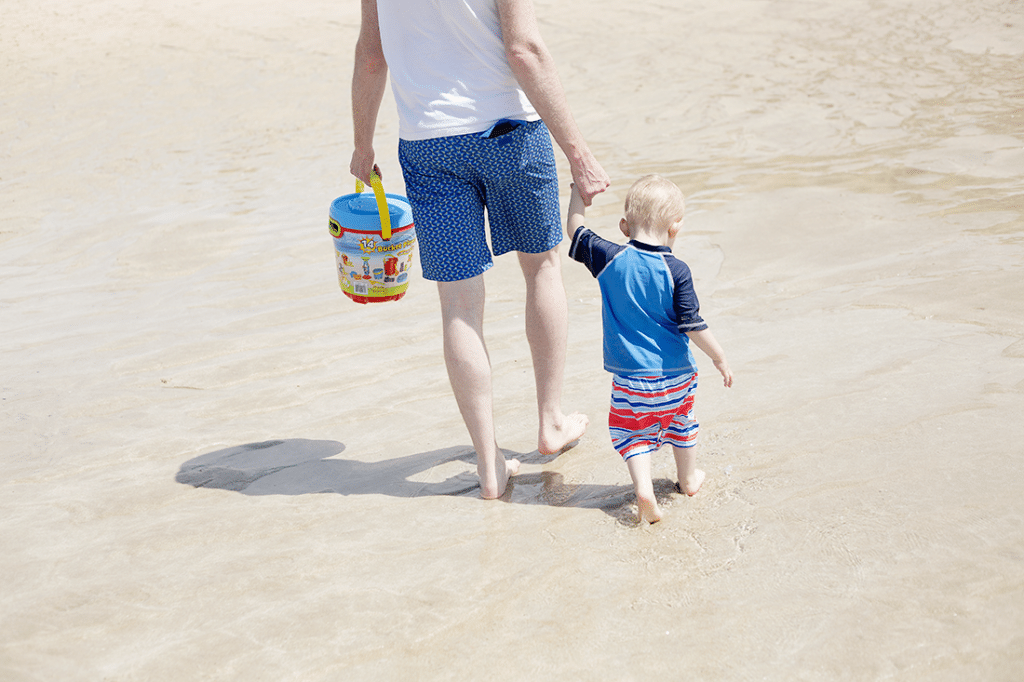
370, 268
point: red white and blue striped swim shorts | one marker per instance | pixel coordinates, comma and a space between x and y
649, 412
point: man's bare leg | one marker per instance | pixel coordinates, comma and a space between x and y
547, 330
469, 371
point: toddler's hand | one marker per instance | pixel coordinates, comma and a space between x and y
723, 369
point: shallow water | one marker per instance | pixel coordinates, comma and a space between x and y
217, 467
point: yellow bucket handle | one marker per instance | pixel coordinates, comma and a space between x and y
382, 203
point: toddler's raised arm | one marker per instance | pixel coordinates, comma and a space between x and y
577, 209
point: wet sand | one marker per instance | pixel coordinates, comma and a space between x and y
216, 467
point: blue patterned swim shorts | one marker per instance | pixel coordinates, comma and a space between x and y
450, 181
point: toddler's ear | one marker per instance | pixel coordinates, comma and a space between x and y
675, 228
624, 226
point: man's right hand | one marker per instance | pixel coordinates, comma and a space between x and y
362, 164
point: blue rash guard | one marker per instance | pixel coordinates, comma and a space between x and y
648, 305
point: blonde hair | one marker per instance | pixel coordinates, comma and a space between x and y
654, 201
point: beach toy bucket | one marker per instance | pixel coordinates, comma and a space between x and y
374, 238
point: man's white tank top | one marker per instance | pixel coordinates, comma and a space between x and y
448, 68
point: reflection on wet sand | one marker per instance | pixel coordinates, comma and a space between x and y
304, 467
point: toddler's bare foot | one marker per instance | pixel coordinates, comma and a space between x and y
648, 508
692, 483
557, 440
494, 490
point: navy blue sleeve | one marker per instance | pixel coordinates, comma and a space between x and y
592, 251
684, 298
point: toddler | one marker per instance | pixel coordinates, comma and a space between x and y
650, 314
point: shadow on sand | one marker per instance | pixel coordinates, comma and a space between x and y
299, 466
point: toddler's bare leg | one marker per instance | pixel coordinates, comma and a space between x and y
690, 477
640, 471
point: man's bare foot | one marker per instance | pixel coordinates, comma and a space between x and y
492, 491
557, 440
692, 484
648, 508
